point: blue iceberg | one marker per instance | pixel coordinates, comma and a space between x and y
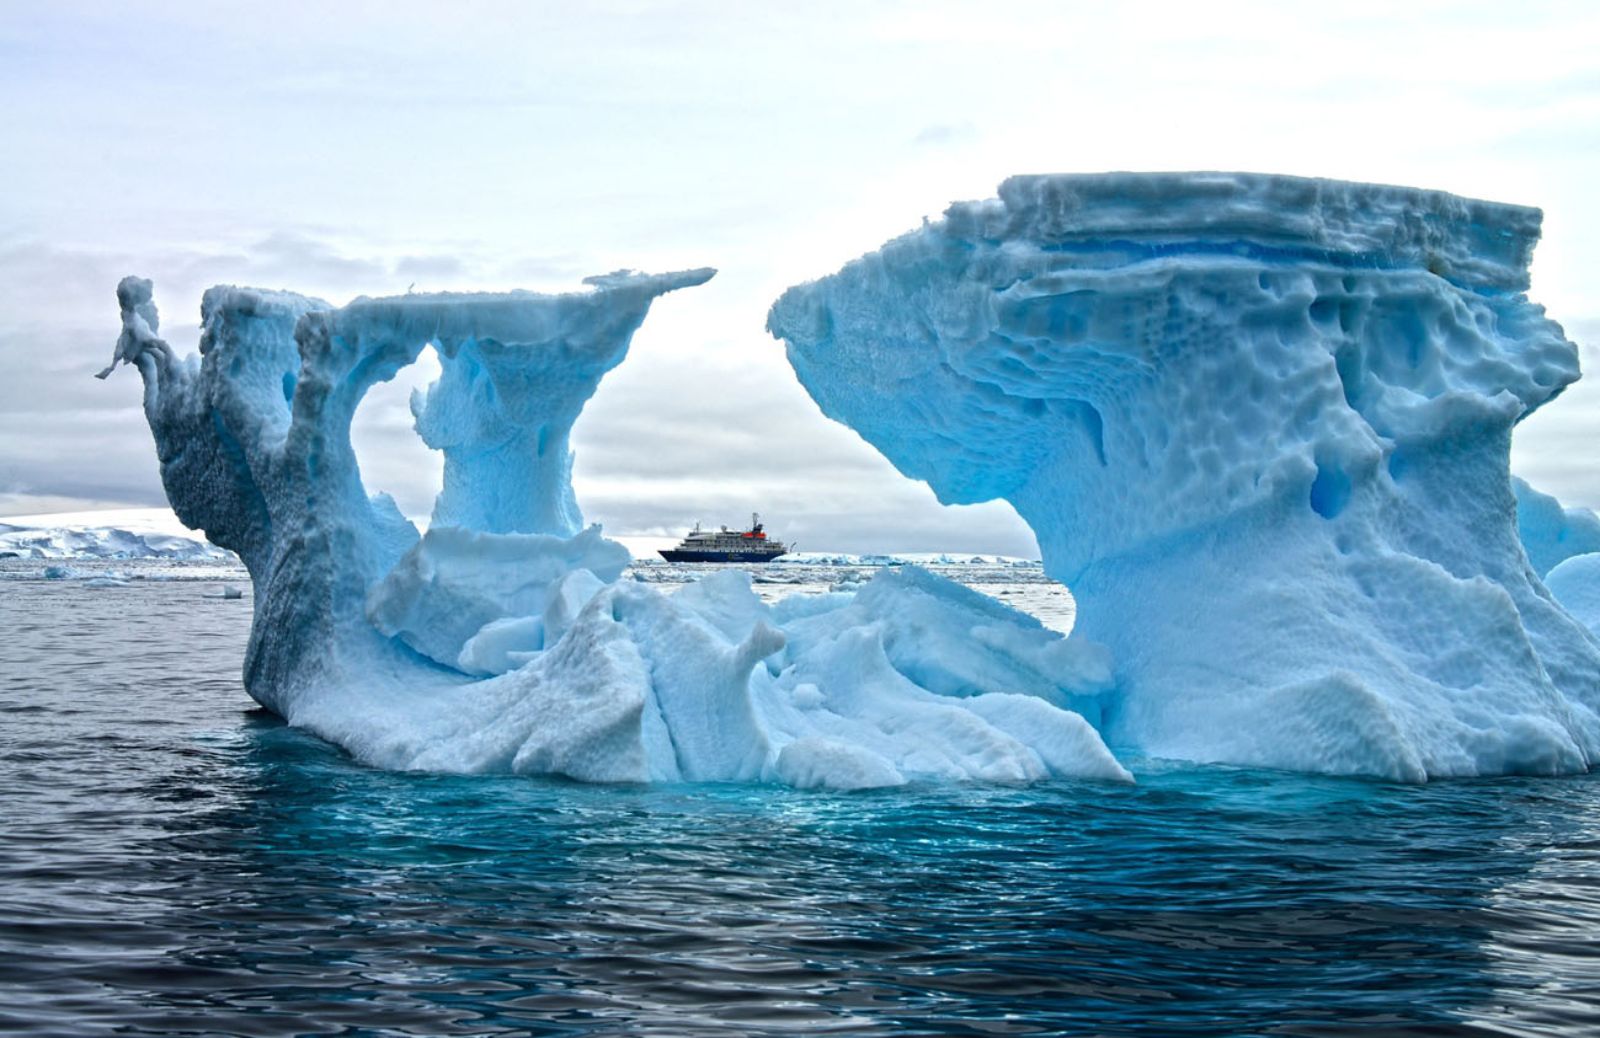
501, 640
1260, 426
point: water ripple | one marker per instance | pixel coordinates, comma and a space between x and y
174, 862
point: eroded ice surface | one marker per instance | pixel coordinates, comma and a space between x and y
501, 640
1260, 427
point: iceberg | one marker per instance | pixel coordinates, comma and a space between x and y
501, 640
1260, 427
1575, 583
1563, 546
1551, 533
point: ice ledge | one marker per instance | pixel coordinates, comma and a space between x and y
1473, 243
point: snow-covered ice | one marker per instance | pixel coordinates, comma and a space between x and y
1260, 426
114, 534
502, 640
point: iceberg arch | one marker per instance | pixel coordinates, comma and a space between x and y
501, 639
1260, 426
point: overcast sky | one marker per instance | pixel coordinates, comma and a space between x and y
341, 149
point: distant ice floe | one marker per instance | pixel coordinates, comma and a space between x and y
502, 640
1260, 427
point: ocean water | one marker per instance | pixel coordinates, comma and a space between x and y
174, 862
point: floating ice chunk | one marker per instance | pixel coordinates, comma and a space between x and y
1260, 427
1551, 533
1575, 583
107, 581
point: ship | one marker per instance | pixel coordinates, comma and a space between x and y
725, 545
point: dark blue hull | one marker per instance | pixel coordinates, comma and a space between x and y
674, 555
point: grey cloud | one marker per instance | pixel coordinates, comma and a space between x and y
446, 267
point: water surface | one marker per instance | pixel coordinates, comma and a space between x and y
173, 861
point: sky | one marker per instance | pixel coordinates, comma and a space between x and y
367, 148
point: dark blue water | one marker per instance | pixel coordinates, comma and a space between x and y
173, 862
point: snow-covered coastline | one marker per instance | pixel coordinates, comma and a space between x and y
914, 558
133, 533
156, 533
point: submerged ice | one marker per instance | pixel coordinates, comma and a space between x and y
501, 639
1260, 426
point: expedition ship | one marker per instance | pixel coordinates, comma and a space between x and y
727, 545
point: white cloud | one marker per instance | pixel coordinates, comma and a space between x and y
344, 152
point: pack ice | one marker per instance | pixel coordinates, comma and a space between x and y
501, 639
1260, 426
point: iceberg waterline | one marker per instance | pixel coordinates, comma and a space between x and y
501, 640
1259, 424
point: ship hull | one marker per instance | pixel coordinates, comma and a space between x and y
675, 555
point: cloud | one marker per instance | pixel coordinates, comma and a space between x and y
942, 134
341, 155
434, 267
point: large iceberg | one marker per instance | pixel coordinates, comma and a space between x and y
1260, 426
501, 639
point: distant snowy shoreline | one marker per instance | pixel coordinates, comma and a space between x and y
156, 533
916, 558
139, 533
